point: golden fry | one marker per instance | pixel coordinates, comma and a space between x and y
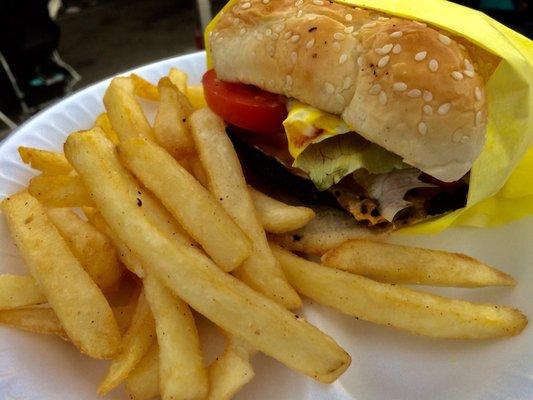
45, 161
78, 302
189, 202
59, 191
391, 263
261, 271
382, 303
191, 276
93, 250
135, 343
19, 291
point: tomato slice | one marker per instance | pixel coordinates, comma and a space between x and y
245, 106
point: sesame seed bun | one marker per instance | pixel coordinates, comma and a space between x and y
412, 89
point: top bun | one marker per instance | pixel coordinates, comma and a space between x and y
399, 83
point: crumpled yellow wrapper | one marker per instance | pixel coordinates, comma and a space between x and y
501, 179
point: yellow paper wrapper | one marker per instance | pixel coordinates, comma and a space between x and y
501, 179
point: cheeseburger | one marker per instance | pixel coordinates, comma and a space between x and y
380, 115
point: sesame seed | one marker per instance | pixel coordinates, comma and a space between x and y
444, 39
343, 58
462, 47
428, 110
433, 65
383, 61
219, 39
318, 2
383, 18
268, 32
465, 139
383, 98
329, 88
312, 17
420, 23
288, 81
278, 28
348, 29
397, 48
468, 65
295, 38
310, 43
294, 57
457, 75
265, 1
422, 128
369, 24
347, 82
427, 96
477, 93
384, 50
287, 35
299, 14
421, 55
444, 108
348, 17
468, 73
246, 5
298, 3
360, 61
242, 31
414, 93
338, 36
375, 89
479, 118
396, 35
399, 86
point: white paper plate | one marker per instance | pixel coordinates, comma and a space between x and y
387, 364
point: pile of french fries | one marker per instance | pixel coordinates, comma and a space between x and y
136, 225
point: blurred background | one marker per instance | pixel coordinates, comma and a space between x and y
49, 48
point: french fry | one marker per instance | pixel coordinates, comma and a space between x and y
275, 216
171, 127
226, 181
80, 305
45, 161
19, 291
124, 112
191, 276
278, 217
36, 320
125, 254
195, 94
93, 250
59, 191
329, 229
178, 79
182, 373
143, 381
385, 262
230, 371
136, 342
143, 88
102, 121
382, 303
189, 202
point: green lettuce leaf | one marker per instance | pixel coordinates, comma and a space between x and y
330, 160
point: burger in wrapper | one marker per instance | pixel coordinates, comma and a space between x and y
417, 113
